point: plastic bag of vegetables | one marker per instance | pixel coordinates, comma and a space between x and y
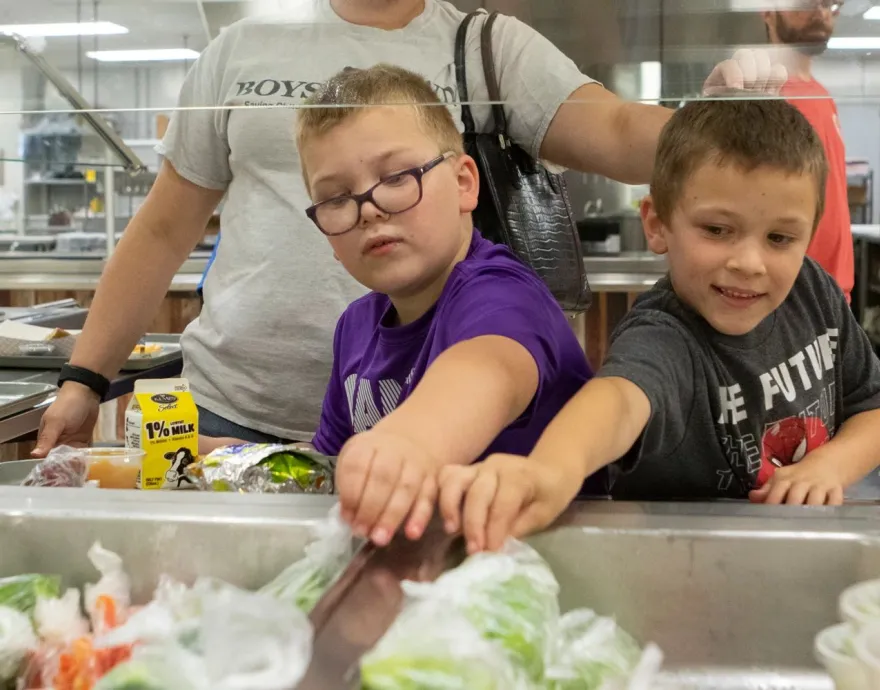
222, 638
304, 582
23, 591
67, 658
17, 641
434, 647
510, 597
594, 653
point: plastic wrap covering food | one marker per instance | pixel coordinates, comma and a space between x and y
63, 467
510, 597
212, 636
264, 468
594, 653
434, 647
305, 582
22, 592
65, 657
17, 642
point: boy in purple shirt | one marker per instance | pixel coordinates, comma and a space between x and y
460, 350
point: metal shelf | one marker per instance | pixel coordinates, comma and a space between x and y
61, 182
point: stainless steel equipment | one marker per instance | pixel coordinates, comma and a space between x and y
20, 396
52, 359
733, 593
113, 141
244, 540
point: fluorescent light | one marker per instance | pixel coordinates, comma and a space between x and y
143, 55
854, 43
71, 29
872, 13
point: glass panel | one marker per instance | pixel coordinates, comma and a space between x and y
653, 51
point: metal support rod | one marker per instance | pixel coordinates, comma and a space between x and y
132, 163
110, 203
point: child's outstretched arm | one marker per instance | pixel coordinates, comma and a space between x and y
514, 496
468, 395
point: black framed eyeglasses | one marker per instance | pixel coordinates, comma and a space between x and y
393, 194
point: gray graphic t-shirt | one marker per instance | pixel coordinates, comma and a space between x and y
727, 411
260, 353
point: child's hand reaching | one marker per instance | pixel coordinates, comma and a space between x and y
813, 481
381, 479
504, 496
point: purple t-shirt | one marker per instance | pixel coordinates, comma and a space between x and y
376, 366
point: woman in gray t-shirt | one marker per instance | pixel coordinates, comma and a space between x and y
258, 357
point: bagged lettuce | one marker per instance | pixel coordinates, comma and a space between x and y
434, 647
510, 597
304, 582
211, 637
23, 591
594, 653
17, 641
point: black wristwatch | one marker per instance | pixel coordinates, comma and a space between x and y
100, 385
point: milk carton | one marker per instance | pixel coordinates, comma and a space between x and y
163, 420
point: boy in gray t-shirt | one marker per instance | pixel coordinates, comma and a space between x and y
743, 373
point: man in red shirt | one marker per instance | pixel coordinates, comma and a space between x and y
802, 35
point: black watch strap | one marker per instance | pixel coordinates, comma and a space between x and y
88, 378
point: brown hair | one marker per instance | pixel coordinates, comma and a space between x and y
749, 133
348, 92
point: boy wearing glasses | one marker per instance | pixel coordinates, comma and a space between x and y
460, 350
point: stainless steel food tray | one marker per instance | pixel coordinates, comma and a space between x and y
734, 594
16, 397
170, 353
13, 472
243, 539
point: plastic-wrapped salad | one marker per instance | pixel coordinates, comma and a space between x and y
22, 592
510, 597
208, 636
493, 623
446, 654
594, 653
305, 582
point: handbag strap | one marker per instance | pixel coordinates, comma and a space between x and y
492, 79
461, 72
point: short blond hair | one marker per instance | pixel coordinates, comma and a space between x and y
350, 91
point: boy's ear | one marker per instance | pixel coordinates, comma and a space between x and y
468, 183
655, 230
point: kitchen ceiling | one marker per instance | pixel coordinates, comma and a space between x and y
591, 31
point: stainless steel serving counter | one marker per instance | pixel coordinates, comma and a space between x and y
733, 593
23, 424
65, 314
37, 271
625, 272
634, 272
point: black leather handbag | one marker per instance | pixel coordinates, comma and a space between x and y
522, 204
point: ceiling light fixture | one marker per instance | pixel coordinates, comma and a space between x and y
156, 55
60, 30
854, 43
872, 13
